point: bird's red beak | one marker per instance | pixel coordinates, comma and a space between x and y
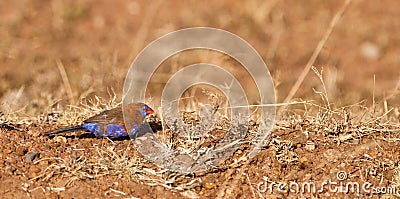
149, 111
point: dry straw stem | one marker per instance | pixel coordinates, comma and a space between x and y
140, 37
267, 105
315, 54
64, 76
324, 94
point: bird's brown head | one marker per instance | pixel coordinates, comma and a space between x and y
136, 111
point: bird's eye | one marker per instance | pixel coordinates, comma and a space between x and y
145, 108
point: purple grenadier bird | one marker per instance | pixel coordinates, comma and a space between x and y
110, 123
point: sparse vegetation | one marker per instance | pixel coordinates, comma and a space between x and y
66, 61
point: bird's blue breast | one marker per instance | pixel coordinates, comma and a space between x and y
108, 130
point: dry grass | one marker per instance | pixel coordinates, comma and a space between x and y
323, 120
349, 124
340, 125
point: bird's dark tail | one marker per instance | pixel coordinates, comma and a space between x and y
63, 130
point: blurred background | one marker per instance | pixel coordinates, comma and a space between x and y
57, 52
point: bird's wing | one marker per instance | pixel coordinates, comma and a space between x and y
112, 116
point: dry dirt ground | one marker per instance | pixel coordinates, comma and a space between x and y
57, 56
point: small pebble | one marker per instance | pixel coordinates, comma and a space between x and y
374, 152
43, 163
303, 159
21, 151
210, 185
60, 139
54, 195
7, 151
32, 156
104, 187
126, 189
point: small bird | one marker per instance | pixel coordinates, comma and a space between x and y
110, 123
